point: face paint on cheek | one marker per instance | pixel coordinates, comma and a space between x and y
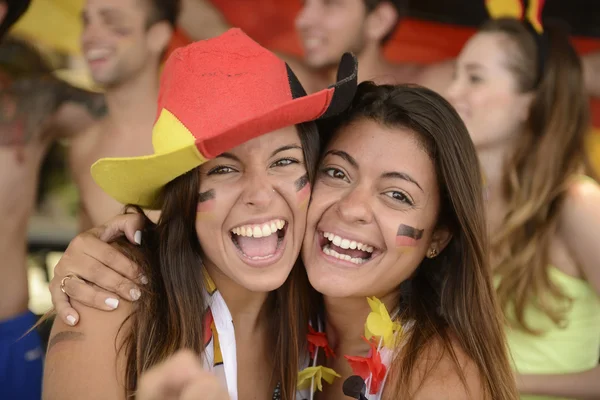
407, 236
302, 190
206, 204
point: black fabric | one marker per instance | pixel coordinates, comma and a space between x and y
295, 85
16, 8
542, 45
345, 88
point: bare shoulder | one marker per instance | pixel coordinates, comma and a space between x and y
581, 202
437, 376
84, 361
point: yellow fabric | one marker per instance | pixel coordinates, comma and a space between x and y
55, 23
533, 13
379, 323
593, 148
574, 348
139, 180
504, 8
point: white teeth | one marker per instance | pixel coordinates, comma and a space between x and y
96, 54
330, 252
347, 243
258, 231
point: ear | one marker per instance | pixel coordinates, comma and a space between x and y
381, 21
159, 36
439, 240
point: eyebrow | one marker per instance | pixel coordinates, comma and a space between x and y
473, 66
230, 156
286, 147
403, 176
279, 150
343, 155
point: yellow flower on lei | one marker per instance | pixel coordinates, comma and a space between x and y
319, 372
379, 324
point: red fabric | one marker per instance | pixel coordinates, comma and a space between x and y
199, 81
271, 23
318, 339
369, 366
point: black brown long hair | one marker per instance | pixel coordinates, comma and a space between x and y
168, 316
451, 294
550, 152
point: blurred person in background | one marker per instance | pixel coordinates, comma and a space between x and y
521, 93
328, 28
123, 42
35, 109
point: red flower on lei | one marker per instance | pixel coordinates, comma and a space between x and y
369, 366
318, 339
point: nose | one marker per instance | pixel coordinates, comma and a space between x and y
354, 208
258, 191
90, 33
306, 15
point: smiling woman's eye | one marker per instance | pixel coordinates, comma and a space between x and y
334, 173
400, 196
220, 170
285, 162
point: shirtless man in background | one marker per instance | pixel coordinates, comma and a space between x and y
35, 109
123, 42
328, 28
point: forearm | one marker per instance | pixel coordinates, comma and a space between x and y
581, 385
591, 71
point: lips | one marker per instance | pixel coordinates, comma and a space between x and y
345, 249
260, 244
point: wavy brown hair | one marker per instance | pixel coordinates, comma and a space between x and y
452, 294
549, 154
168, 316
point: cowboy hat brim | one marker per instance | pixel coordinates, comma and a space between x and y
139, 180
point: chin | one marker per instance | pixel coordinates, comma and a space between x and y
263, 284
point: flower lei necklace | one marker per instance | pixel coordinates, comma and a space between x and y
380, 329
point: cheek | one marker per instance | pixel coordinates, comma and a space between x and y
407, 237
303, 190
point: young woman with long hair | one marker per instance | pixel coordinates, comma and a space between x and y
521, 94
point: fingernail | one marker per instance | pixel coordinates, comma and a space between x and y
71, 320
112, 303
143, 279
137, 237
135, 293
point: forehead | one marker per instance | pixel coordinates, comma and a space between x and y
378, 149
267, 143
115, 6
486, 49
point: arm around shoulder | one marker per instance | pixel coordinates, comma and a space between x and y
83, 362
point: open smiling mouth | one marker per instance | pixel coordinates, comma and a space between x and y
260, 242
346, 249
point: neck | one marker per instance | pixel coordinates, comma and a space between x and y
493, 164
132, 104
345, 322
247, 308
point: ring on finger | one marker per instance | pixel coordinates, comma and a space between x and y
63, 282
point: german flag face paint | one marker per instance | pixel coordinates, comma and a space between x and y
302, 190
206, 204
407, 236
